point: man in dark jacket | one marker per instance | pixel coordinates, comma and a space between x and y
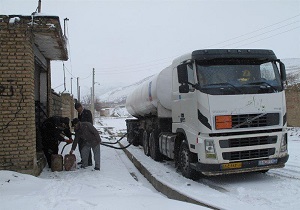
84, 115
90, 138
53, 131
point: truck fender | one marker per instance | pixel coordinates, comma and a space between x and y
181, 136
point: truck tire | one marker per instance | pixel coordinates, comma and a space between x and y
141, 133
133, 138
185, 160
146, 143
137, 139
153, 144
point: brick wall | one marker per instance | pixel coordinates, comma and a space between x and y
293, 105
56, 104
28, 43
67, 105
62, 105
17, 119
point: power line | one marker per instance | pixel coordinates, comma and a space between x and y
144, 67
254, 31
68, 71
270, 36
126, 72
139, 65
58, 86
261, 34
87, 76
68, 42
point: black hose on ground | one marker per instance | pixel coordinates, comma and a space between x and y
116, 141
108, 144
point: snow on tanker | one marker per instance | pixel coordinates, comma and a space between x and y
215, 111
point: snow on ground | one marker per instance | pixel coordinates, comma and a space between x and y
120, 186
110, 189
277, 189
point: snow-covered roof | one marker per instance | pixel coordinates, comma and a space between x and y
46, 33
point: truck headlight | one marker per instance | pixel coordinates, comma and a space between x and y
283, 144
210, 149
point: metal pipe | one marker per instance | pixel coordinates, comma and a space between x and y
40, 6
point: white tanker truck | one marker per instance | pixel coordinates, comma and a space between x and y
214, 112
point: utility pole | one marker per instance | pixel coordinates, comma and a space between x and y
71, 85
78, 90
93, 95
79, 94
65, 86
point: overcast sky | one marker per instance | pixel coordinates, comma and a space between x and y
126, 41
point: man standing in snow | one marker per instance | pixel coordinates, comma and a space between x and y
53, 131
84, 115
90, 138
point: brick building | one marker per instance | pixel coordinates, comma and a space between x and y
292, 105
28, 44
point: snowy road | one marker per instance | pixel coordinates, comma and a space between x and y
118, 185
276, 189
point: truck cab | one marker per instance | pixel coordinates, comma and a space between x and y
230, 107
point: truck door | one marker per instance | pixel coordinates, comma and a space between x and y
187, 103
176, 98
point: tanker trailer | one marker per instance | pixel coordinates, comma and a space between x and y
151, 104
214, 112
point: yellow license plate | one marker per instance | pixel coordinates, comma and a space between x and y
231, 165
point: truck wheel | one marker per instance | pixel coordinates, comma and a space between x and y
146, 143
153, 144
137, 138
135, 141
185, 160
141, 133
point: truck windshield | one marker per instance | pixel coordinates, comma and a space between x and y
238, 77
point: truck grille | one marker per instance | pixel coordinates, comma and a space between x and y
251, 141
255, 120
249, 154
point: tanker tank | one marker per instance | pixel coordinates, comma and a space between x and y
151, 95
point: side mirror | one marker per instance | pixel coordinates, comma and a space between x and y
282, 71
182, 74
184, 88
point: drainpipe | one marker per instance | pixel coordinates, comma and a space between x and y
40, 6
